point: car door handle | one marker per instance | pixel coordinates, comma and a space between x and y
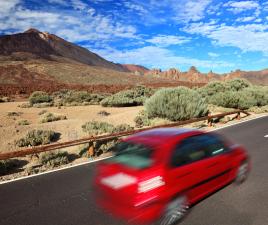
212, 165
185, 174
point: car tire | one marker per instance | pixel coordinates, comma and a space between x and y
175, 211
242, 172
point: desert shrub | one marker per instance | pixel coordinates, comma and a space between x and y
25, 105
122, 128
237, 84
259, 93
103, 113
132, 97
43, 105
176, 104
97, 128
6, 166
211, 88
261, 109
142, 119
23, 123
42, 112
5, 99
54, 159
39, 97
74, 98
50, 117
37, 137
14, 113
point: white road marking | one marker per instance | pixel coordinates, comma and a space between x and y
84, 163
266, 135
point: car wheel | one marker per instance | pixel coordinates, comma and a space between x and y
242, 173
175, 211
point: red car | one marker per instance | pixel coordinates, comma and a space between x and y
158, 174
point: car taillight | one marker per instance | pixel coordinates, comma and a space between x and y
150, 184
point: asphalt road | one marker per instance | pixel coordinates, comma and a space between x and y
66, 197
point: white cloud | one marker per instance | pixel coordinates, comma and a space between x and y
135, 7
6, 6
250, 37
246, 19
75, 26
167, 40
150, 56
240, 6
79, 5
190, 10
213, 54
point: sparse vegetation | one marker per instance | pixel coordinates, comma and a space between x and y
262, 109
97, 128
54, 159
23, 123
42, 112
74, 98
132, 97
50, 117
142, 119
103, 113
176, 104
37, 137
14, 114
39, 97
6, 166
236, 93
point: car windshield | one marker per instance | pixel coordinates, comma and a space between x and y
133, 155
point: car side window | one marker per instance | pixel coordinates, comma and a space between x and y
187, 151
196, 148
213, 144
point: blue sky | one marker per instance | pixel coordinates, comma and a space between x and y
210, 34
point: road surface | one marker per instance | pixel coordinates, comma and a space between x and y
66, 197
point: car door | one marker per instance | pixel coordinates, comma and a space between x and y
185, 168
217, 164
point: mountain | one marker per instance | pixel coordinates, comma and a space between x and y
34, 44
137, 69
195, 76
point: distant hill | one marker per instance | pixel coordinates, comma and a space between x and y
140, 70
193, 75
51, 47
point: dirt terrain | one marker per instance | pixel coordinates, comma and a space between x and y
70, 129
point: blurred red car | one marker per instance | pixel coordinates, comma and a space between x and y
160, 173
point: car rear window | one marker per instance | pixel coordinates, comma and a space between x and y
133, 155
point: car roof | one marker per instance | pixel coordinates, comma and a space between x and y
160, 135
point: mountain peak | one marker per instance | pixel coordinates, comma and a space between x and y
32, 30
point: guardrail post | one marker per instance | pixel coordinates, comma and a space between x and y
209, 120
238, 117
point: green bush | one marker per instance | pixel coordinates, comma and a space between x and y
37, 137
23, 123
211, 89
39, 97
97, 128
176, 104
50, 117
261, 109
14, 113
132, 97
7, 166
142, 119
73, 98
237, 84
54, 159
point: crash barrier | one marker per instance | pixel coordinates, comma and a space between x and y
51, 147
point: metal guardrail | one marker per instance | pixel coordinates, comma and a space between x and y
51, 147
